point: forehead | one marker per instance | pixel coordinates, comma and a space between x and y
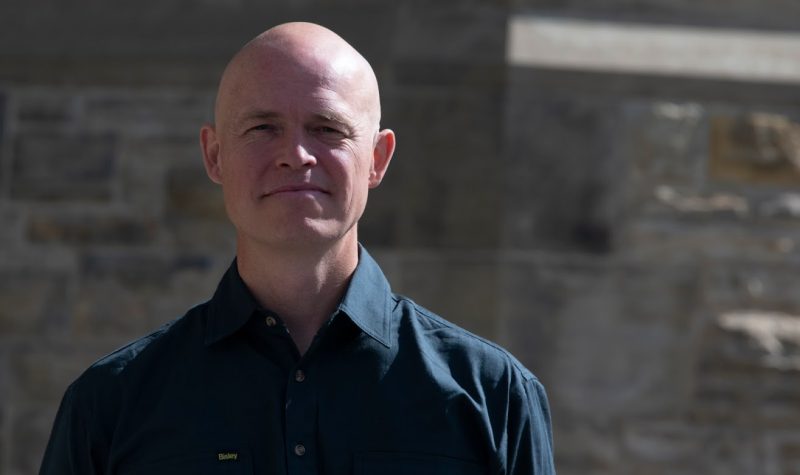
290, 85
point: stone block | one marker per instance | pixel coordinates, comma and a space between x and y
193, 281
531, 298
380, 226
3, 440
63, 167
217, 238
447, 75
745, 283
31, 425
607, 337
12, 218
781, 206
143, 165
445, 184
141, 268
746, 370
562, 193
585, 445
41, 371
44, 110
460, 287
192, 195
772, 339
3, 113
126, 295
148, 114
739, 14
445, 124
692, 207
109, 309
712, 238
756, 149
174, 42
666, 144
195, 210
676, 446
784, 447
474, 33
87, 228
33, 301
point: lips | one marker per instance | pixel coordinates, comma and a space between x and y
297, 187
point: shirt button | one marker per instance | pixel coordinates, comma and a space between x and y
271, 322
299, 450
299, 376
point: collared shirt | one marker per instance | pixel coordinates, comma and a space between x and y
386, 388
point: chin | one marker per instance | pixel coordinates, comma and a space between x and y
309, 236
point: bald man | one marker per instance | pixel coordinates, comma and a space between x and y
304, 361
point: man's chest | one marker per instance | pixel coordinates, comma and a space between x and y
346, 413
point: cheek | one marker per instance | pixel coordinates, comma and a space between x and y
245, 163
359, 161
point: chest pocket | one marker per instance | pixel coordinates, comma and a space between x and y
387, 463
222, 463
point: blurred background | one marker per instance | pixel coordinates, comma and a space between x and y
608, 188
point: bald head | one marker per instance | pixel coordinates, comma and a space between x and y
306, 50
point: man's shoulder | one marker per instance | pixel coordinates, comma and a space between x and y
449, 344
114, 367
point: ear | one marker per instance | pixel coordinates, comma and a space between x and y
211, 159
381, 156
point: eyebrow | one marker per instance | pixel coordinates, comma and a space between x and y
327, 115
333, 116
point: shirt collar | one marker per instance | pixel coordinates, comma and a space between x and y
230, 308
366, 302
368, 299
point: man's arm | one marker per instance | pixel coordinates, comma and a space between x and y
530, 437
71, 449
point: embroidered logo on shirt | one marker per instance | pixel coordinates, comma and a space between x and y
227, 456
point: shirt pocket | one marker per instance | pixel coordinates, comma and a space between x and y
389, 463
224, 463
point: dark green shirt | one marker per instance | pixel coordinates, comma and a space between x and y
386, 388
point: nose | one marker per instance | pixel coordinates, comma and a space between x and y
297, 154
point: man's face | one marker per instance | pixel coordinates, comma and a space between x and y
297, 148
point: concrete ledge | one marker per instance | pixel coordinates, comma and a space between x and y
747, 55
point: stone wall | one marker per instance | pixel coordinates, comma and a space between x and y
634, 239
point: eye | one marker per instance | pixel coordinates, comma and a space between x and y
328, 130
264, 128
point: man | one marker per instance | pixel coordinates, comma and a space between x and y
303, 362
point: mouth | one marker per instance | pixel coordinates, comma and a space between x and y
299, 188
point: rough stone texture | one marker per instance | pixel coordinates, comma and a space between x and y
450, 203
759, 148
30, 424
33, 301
52, 167
633, 239
574, 204
732, 14
87, 229
190, 194
461, 286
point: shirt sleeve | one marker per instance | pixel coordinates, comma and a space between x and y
71, 450
529, 431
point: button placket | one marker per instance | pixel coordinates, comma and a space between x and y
300, 422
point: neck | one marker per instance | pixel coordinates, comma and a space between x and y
303, 286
